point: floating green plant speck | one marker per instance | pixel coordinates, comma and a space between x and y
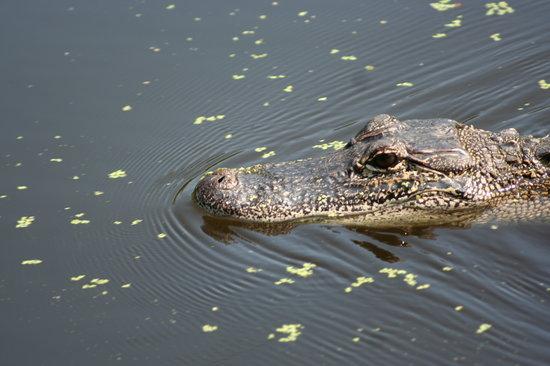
358, 282
336, 145
199, 120
24, 221
253, 270
305, 271
31, 262
208, 328
117, 174
284, 281
483, 328
349, 58
100, 281
444, 5
455, 23
500, 8
405, 84
292, 332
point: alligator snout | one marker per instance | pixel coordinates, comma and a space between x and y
224, 179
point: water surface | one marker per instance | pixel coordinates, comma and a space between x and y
111, 112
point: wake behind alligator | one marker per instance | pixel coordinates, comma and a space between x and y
414, 172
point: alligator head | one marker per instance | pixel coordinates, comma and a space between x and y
412, 171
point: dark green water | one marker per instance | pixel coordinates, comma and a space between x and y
69, 69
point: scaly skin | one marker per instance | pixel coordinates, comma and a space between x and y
415, 172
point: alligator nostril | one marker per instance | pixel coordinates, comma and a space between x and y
224, 179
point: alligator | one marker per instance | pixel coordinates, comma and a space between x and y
393, 172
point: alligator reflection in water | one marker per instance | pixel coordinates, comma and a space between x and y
231, 231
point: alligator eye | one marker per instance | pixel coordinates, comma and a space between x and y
384, 160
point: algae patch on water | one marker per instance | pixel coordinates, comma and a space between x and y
500, 8
349, 58
208, 328
31, 262
256, 56
78, 221
284, 281
291, 332
253, 270
201, 119
405, 84
305, 271
24, 221
359, 282
455, 23
409, 278
444, 5
483, 328
117, 174
336, 145
95, 282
